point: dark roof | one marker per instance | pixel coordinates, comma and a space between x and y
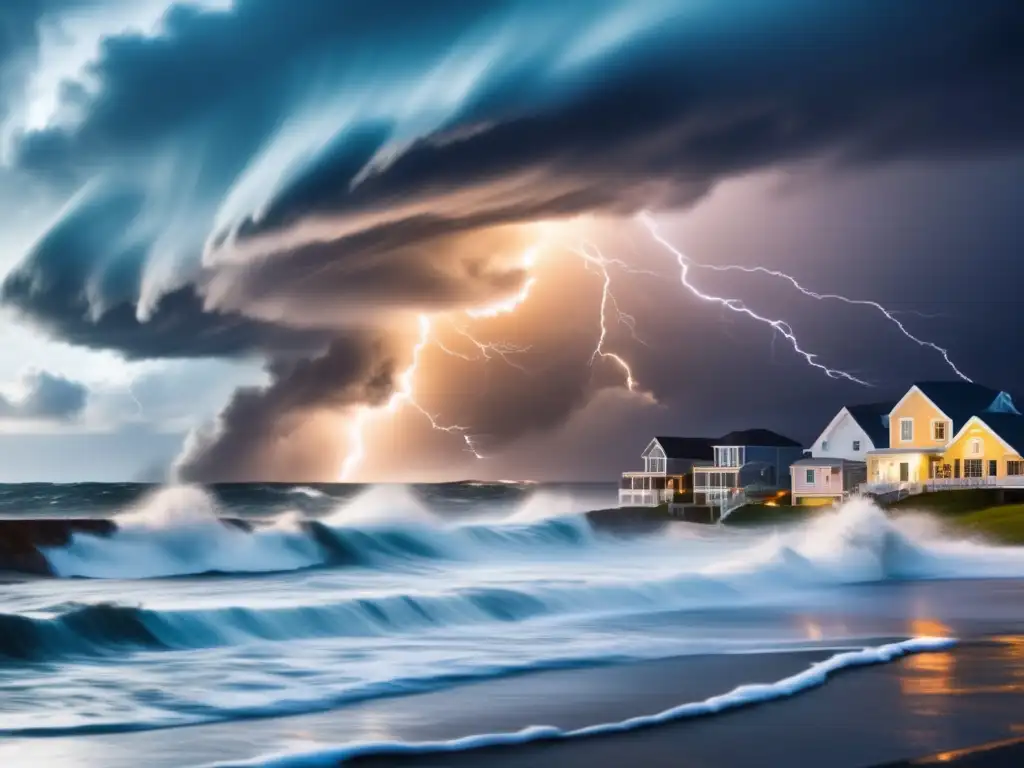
1008, 426
757, 437
687, 447
959, 399
873, 418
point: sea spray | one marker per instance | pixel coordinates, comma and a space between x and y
177, 531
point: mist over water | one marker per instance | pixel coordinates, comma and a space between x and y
231, 611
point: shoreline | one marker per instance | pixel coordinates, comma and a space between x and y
886, 716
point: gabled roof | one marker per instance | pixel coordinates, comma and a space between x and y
1007, 426
873, 418
687, 447
960, 400
757, 437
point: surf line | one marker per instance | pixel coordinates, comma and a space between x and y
745, 695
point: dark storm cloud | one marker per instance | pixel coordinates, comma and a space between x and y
271, 178
81, 280
47, 398
274, 433
697, 94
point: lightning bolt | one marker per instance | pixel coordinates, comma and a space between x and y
488, 349
888, 314
131, 393
734, 305
596, 262
403, 395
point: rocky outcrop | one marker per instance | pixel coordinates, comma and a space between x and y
22, 540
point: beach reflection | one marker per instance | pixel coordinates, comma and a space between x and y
932, 683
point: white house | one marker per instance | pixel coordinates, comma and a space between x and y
837, 464
854, 431
668, 464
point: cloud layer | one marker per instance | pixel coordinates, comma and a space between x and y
46, 397
298, 185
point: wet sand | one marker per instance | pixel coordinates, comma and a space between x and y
872, 716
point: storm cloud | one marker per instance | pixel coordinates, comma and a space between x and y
260, 182
46, 397
288, 430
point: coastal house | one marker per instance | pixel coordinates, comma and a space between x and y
748, 466
668, 462
949, 434
837, 463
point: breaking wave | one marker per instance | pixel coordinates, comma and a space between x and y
180, 535
180, 532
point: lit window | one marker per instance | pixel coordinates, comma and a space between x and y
810, 477
1015, 468
856, 445
940, 430
972, 467
906, 430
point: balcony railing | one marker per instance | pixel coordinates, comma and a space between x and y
644, 498
942, 484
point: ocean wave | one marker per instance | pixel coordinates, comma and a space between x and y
858, 544
745, 695
180, 532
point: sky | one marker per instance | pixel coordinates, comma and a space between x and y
404, 241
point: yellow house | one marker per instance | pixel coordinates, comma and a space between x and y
927, 437
988, 448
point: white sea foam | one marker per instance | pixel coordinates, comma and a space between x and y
745, 695
176, 531
312, 493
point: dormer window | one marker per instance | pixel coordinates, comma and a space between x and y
856, 445
975, 449
656, 461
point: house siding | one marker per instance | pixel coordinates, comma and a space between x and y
919, 409
829, 482
778, 459
840, 441
885, 469
826, 480
992, 449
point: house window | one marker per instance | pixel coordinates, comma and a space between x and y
904, 472
993, 467
972, 467
906, 430
939, 430
1015, 468
810, 477
975, 449
856, 445
824, 445
956, 468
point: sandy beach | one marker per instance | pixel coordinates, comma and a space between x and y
885, 715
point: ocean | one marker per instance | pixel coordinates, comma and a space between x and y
249, 605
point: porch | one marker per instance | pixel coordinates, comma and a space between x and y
942, 484
894, 466
649, 489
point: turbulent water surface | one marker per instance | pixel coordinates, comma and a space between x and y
314, 598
